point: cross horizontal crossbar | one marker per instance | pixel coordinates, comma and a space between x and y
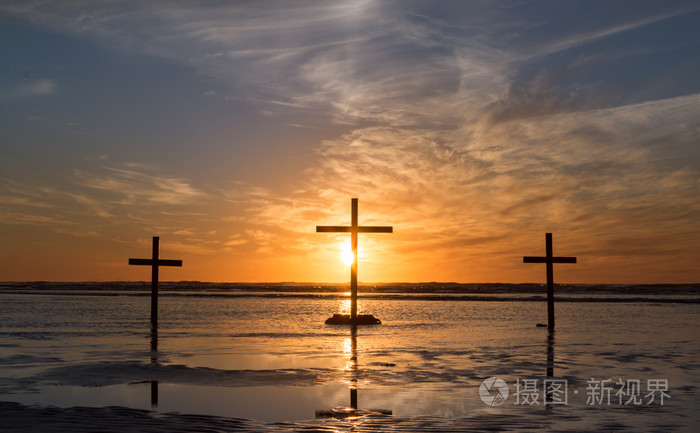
159, 262
360, 229
530, 259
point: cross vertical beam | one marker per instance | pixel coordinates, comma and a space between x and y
155, 263
354, 229
353, 266
550, 280
549, 260
154, 281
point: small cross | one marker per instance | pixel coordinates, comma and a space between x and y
354, 229
155, 262
549, 259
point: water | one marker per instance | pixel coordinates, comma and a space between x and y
269, 363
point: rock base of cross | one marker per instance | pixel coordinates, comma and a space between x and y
345, 319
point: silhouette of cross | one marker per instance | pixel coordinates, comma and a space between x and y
155, 262
354, 229
549, 259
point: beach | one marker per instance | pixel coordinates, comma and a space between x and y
495, 203
84, 358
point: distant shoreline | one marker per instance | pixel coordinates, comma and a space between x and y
452, 292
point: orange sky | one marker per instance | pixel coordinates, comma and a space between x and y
232, 130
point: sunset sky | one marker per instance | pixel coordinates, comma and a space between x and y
232, 129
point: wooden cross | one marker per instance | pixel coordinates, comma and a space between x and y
354, 229
155, 262
353, 360
154, 362
549, 259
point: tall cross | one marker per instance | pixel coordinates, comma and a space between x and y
550, 260
155, 262
154, 362
354, 229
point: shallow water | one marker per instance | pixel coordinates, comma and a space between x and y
272, 360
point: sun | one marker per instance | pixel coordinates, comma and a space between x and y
346, 253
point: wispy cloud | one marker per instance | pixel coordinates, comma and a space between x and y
133, 187
99, 196
26, 218
588, 36
299, 54
27, 89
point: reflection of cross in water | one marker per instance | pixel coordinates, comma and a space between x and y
353, 366
154, 345
155, 262
550, 354
549, 259
352, 411
354, 229
549, 394
154, 393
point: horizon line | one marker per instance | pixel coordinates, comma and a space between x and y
332, 283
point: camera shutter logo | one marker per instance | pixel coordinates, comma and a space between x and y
493, 391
